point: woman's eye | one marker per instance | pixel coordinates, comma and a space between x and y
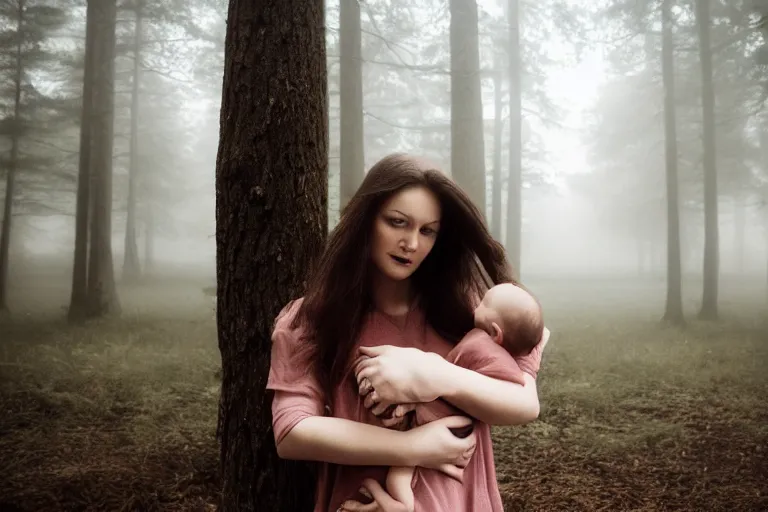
428, 231
396, 222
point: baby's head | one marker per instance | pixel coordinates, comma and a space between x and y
512, 317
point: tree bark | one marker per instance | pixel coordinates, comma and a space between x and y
673, 313
515, 183
352, 146
131, 265
102, 293
708, 309
271, 224
467, 146
78, 302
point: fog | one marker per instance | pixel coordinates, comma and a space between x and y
131, 394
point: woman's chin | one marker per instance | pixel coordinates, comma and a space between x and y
398, 273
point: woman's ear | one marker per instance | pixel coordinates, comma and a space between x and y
498, 334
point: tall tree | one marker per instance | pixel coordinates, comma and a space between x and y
102, 293
131, 265
78, 302
27, 25
673, 313
711, 233
467, 146
498, 128
271, 223
515, 183
352, 151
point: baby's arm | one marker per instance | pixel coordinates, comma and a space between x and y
399, 480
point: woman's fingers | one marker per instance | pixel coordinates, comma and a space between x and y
364, 387
364, 369
453, 471
381, 407
371, 399
454, 421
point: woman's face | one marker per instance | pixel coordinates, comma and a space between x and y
405, 231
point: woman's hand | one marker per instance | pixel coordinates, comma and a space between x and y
530, 363
397, 375
439, 448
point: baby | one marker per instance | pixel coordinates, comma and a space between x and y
507, 316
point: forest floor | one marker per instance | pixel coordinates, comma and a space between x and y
121, 414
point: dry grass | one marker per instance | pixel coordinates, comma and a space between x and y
121, 414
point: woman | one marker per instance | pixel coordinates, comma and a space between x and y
403, 269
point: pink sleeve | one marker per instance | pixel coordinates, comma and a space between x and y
530, 363
479, 353
297, 392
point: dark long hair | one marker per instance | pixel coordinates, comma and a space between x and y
464, 262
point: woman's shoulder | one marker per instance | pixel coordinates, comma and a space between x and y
285, 318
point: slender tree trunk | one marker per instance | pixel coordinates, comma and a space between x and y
467, 146
673, 313
739, 235
149, 236
102, 294
498, 126
78, 302
271, 224
515, 183
711, 235
5, 236
352, 161
131, 265
10, 184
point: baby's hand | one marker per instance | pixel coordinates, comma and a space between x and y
397, 416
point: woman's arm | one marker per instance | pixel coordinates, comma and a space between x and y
346, 442
341, 441
408, 375
492, 401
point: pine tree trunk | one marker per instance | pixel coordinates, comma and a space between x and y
131, 265
515, 183
711, 233
78, 302
352, 150
673, 313
10, 184
467, 146
271, 224
102, 294
498, 125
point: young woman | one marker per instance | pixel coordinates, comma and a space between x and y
403, 269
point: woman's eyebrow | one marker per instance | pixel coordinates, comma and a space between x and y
411, 218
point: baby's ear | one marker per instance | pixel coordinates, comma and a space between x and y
498, 335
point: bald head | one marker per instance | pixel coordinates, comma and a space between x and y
515, 313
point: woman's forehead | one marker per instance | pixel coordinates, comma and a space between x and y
416, 202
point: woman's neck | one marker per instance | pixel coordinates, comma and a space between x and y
391, 297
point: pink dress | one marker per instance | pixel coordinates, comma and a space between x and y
298, 396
